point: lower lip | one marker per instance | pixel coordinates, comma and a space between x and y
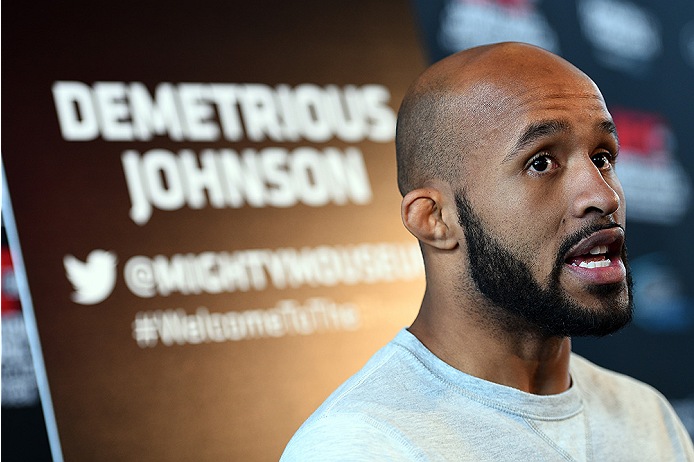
606, 275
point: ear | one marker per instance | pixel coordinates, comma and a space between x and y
426, 214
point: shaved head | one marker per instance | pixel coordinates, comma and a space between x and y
456, 103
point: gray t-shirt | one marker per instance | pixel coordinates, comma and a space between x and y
407, 404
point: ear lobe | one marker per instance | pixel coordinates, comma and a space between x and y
424, 216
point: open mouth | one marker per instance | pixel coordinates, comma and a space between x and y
597, 258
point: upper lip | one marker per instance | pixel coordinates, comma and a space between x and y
613, 238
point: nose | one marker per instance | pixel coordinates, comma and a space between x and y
594, 192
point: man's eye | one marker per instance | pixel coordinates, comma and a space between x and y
541, 163
602, 160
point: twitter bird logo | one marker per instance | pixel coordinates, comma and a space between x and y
94, 279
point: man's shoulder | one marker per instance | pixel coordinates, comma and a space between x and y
361, 415
614, 390
587, 372
625, 410
332, 435
379, 384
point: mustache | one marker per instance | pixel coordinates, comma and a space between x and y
579, 235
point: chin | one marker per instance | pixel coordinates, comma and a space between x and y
609, 309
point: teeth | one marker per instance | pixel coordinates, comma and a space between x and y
598, 250
596, 264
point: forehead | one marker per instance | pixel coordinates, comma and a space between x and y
500, 121
577, 105
509, 96
501, 111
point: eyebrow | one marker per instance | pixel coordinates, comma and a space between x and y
609, 128
549, 128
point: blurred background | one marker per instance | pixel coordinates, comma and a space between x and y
201, 231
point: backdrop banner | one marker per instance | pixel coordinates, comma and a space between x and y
206, 203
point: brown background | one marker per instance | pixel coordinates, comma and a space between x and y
233, 400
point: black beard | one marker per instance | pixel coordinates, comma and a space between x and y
506, 281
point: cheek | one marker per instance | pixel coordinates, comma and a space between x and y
526, 217
533, 229
532, 218
527, 237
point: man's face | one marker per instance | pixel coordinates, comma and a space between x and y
506, 280
543, 210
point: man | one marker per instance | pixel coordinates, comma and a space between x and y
506, 161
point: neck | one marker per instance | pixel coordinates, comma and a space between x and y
511, 353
